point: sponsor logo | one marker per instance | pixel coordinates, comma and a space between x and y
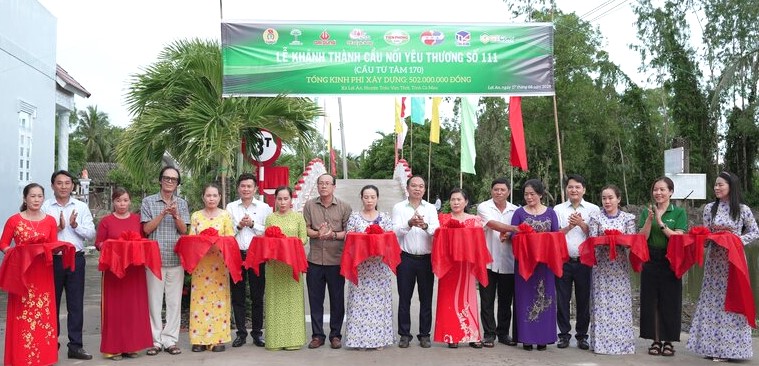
359, 37
324, 39
270, 36
396, 37
495, 38
463, 38
296, 33
432, 37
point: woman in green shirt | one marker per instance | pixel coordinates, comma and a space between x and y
660, 290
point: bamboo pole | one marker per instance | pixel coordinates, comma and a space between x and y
558, 147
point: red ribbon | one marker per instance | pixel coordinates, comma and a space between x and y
209, 232
455, 224
274, 232
612, 235
374, 229
130, 235
525, 228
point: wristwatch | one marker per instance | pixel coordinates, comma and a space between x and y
663, 226
425, 226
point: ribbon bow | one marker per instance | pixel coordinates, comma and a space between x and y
454, 224
699, 230
274, 232
209, 232
374, 229
130, 235
611, 235
525, 228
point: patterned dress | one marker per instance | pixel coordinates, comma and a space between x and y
715, 332
369, 316
31, 333
611, 330
535, 298
210, 303
457, 316
284, 306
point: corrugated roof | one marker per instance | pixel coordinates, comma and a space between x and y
70, 83
98, 172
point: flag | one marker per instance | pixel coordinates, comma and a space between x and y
403, 107
398, 127
417, 110
332, 163
435, 120
518, 147
468, 153
401, 137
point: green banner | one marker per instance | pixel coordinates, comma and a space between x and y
265, 59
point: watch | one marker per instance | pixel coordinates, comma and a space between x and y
426, 225
663, 226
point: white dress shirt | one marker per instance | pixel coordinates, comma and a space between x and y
257, 211
576, 236
414, 240
85, 227
501, 251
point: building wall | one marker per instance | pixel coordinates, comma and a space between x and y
27, 83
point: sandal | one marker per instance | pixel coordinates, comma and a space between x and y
655, 349
475, 344
453, 345
152, 351
130, 354
668, 350
173, 350
488, 343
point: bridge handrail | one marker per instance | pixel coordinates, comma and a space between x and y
401, 174
306, 183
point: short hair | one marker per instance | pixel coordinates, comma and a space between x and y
62, 172
577, 178
459, 190
501, 180
613, 188
164, 169
283, 188
118, 192
536, 185
28, 188
247, 176
334, 180
670, 184
408, 182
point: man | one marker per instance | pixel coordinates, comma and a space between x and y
74, 226
248, 215
573, 217
496, 215
326, 217
165, 217
414, 222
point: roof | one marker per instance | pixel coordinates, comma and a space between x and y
67, 82
98, 172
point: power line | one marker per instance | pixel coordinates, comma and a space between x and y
597, 8
609, 11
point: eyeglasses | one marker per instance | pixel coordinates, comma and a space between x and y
169, 179
324, 184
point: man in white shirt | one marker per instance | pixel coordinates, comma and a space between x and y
75, 225
248, 215
414, 222
573, 218
496, 216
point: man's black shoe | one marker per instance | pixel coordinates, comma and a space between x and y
563, 343
259, 341
238, 342
80, 354
404, 342
583, 344
424, 342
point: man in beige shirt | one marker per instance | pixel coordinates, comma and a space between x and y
326, 217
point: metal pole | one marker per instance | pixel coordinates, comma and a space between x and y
558, 146
342, 138
429, 169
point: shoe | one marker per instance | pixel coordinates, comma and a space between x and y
259, 341
563, 343
542, 347
197, 348
527, 347
720, 359
424, 342
488, 343
218, 348
130, 354
404, 342
475, 344
335, 343
239, 341
507, 340
316, 342
152, 351
116, 357
583, 344
79, 354
668, 349
173, 350
453, 345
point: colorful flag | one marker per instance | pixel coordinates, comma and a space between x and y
398, 127
403, 107
468, 126
417, 110
435, 120
518, 147
401, 137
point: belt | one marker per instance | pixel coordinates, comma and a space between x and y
80, 253
574, 260
415, 256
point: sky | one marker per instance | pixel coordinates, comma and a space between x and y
103, 43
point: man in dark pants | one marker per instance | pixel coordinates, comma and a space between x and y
496, 216
326, 217
573, 218
248, 215
75, 225
414, 222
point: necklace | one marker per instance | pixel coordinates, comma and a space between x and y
33, 221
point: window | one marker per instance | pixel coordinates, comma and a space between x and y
25, 141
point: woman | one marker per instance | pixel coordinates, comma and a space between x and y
284, 309
457, 317
535, 298
209, 299
714, 332
31, 332
369, 317
611, 331
125, 317
661, 296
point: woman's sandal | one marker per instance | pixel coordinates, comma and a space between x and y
668, 349
488, 344
655, 349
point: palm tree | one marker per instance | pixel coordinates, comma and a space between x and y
93, 130
179, 110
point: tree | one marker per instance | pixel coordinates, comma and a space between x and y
179, 111
93, 130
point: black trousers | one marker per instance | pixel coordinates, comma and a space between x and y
415, 269
661, 299
73, 283
257, 284
500, 285
317, 278
578, 274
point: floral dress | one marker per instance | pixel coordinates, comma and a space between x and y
369, 315
715, 332
611, 329
210, 304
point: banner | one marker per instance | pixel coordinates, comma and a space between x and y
267, 59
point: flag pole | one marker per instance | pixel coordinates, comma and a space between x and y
342, 137
411, 154
511, 195
558, 147
429, 169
